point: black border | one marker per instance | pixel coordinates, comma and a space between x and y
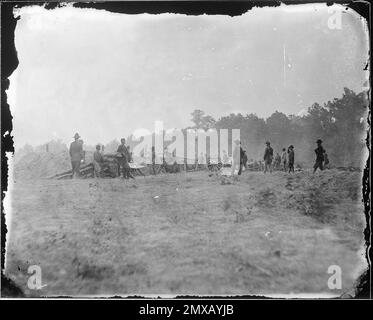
9, 63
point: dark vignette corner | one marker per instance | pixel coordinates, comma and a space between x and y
9, 63
363, 285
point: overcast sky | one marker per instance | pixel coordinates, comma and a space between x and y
104, 74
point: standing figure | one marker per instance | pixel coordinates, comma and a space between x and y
98, 161
244, 160
242, 155
283, 158
153, 160
291, 158
320, 151
236, 156
268, 157
82, 161
123, 157
76, 155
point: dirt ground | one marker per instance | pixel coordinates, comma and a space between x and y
187, 234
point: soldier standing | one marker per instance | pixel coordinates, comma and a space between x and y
98, 160
320, 151
268, 157
153, 160
76, 155
123, 158
291, 158
242, 159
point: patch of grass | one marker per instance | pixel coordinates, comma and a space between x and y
227, 204
95, 272
187, 236
226, 180
114, 188
316, 204
266, 198
86, 270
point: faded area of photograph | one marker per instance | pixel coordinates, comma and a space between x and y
91, 214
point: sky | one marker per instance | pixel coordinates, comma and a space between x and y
105, 74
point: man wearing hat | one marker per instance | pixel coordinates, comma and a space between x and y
320, 151
76, 155
243, 160
98, 161
291, 158
123, 159
268, 157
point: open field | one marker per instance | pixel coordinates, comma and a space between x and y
187, 234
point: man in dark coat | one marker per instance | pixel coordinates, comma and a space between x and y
123, 157
320, 151
242, 159
76, 155
153, 161
291, 158
268, 157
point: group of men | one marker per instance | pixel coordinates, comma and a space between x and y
286, 160
123, 157
239, 158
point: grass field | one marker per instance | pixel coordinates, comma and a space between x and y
187, 234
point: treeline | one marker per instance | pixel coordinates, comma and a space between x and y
340, 123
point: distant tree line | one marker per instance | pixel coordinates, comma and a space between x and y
340, 123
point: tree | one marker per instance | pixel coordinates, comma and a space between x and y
279, 130
202, 121
347, 130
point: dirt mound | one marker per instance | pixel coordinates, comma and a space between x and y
35, 165
41, 164
266, 198
317, 194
